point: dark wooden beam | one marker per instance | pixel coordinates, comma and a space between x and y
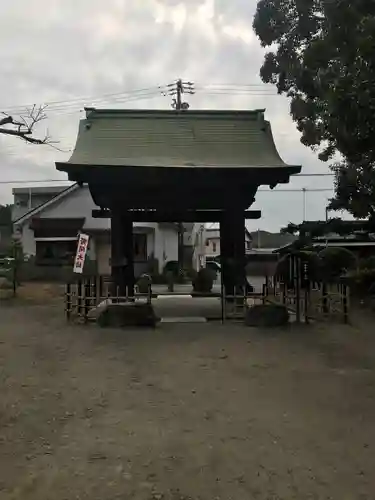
186, 216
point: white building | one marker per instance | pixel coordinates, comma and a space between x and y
48, 220
212, 242
206, 244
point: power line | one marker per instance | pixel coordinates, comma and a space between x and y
230, 84
135, 94
79, 100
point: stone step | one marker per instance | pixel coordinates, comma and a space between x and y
184, 319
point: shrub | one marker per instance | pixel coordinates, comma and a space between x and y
204, 280
181, 277
361, 281
336, 261
144, 283
367, 263
191, 274
171, 266
302, 256
159, 279
314, 263
171, 279
153, 266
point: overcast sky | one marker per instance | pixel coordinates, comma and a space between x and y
76, 52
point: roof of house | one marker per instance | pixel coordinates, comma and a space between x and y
54, 199
214, 232
335, 240
39, 190
35, 211
169, 138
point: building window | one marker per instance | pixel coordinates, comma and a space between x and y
214, 246
22, 202
55, 253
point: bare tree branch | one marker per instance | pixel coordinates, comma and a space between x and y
6, 120
23, 127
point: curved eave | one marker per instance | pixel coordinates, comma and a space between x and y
75, 170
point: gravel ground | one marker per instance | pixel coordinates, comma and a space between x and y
184, 412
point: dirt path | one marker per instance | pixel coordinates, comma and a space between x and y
187, 412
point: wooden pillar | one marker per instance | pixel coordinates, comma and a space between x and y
225, 252
232, 250
238, 238
129, 254
122, 259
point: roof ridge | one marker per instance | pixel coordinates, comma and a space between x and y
92, 113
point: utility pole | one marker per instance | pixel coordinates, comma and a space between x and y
304, 203
177, 89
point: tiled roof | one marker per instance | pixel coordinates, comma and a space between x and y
176, 139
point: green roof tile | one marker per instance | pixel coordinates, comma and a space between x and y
169, 138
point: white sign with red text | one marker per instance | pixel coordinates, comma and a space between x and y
83, 243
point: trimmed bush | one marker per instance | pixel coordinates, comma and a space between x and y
204, 280
159, 279
361, 282
368, 263
171, 266
144, 283
153, 266
314, 263
302, 256
171, 279
336, 260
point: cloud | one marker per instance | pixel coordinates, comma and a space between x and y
57, 51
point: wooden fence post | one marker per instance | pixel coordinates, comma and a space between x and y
223, 300
87, 298
324, 298
298, 289
284, 291
345, 303
94, 290
101, 288
68, 301
79, 296
264, 292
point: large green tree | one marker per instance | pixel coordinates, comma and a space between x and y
322, 55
